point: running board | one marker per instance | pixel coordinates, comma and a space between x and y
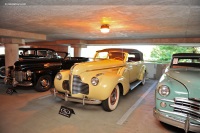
134, 84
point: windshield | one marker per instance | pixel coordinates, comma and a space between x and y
110, 55
184, 62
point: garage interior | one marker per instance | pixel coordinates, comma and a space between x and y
62, 25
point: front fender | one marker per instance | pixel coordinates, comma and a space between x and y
58, 83
102, 91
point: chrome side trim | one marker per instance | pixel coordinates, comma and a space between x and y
167, 100
184, 124
186, 100
185, 108
66, 97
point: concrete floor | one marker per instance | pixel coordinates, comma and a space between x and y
29, 111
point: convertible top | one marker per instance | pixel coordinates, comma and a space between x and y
137, 53
120, 50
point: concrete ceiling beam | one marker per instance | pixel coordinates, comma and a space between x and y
12, 41
59, 42
149, 41
21, 34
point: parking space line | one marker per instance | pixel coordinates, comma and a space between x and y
134, 106
44, 96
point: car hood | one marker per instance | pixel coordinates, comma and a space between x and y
96, 65
189, 78
34, 64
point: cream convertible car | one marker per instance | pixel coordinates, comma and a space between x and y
113, 72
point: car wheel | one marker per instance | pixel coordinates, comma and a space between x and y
2, 72
44, 83
144, 79
111, 102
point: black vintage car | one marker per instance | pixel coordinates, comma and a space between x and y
26, 53
40, 72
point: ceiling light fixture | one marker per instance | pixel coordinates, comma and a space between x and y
105, 28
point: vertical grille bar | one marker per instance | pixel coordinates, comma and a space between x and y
19, 76
78, 86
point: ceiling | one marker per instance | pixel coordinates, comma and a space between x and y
81, 19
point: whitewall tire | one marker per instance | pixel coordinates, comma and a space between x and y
111, 102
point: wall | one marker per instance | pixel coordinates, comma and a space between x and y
155, 70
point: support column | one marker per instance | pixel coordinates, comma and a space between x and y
11, 50
11, 55
77, 49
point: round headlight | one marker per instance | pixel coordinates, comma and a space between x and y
28, 73
59, 76
164, 90
94, 81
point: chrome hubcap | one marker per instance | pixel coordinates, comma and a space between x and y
44, 82
113, 97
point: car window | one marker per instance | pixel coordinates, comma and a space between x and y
185, 62
110, 55
116, 55
133, 57
102, 55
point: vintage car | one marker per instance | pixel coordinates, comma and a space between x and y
177, 95
40, 72
113, 72
25, 53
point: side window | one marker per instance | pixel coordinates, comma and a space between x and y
133, 57
42, 53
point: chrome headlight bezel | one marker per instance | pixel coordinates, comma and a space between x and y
164, 90
94, 81
28, 73
59, 76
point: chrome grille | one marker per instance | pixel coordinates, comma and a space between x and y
78, 86
19, 75
187, 106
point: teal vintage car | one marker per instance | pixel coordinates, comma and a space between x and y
177, 96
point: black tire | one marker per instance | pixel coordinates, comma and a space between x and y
2, 72
111, 102
144, 79
44, 83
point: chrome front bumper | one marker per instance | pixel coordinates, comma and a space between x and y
14, 83
66, 97
184, 124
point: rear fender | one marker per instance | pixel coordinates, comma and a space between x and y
142, 73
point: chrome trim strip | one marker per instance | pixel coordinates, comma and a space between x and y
195, 99
187, 100
113, 67
167, 100
174, 113
185, 108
